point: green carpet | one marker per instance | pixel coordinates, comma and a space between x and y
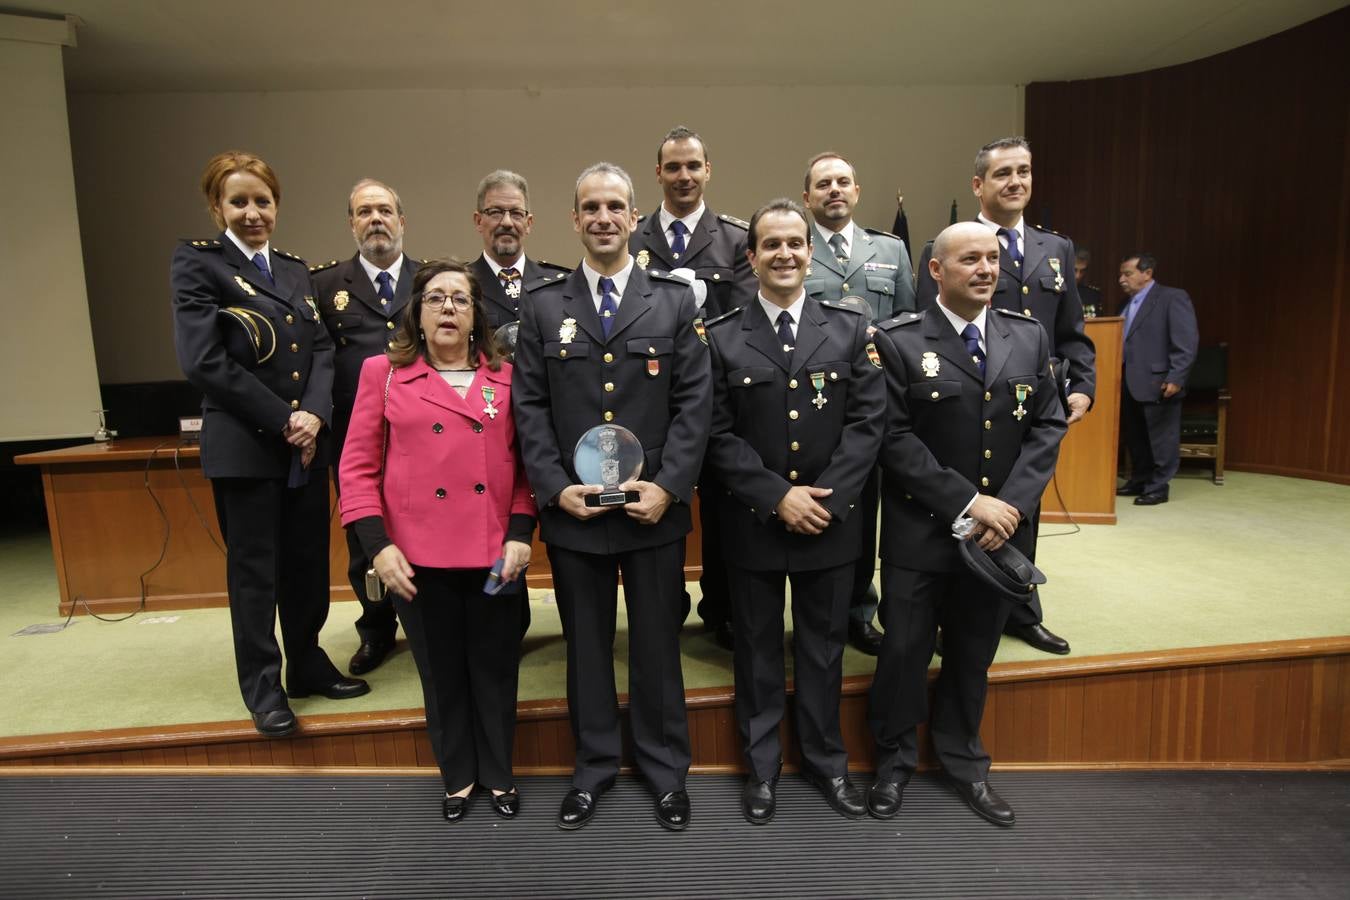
1259, 559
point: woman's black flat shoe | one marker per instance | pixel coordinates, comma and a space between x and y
453, 808
506, 805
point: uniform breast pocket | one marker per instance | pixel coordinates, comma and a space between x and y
1004, 285
562, 352
934, 391
880, 284
654, 354
714, 274
1052, 284
1021, 387
815, 287
750, 377
345, 321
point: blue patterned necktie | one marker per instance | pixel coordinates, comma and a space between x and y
608, 308
677, 246
385, 291
971, 334
785, 331
1013, 253
260, 262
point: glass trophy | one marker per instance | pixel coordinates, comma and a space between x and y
608, 455
506, 340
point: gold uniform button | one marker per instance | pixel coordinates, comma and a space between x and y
792, 476
609, 387
295, 376
1026, 312
988, 396
988, 454
295, 348
747, 379
390, 345
988, 424
984, 482
343, 342
609, 415
845, 285
1025, 289
389, 325
935, 395
609, 357
651, 351
792, 415
562, 353
717, 276
290, 320
793, 384
295, 404
796, 446
834, 376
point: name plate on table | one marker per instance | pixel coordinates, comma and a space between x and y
608, 455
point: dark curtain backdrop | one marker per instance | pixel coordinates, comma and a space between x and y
1235, 171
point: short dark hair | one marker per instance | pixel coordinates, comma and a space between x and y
1147, 260
1083, 254
409, 344
1005, 143
828, 154
781, 205
681, 133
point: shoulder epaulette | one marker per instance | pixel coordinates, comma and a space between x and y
709, 323
842, 306
551, 265
660, 275
641, 216
321, 266
1049, 231
288, 255
908, 318
1014, 314
732, 220
544, 281
204, 244
879, 233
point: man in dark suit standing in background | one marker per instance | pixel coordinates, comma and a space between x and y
503, 219
1089, 294
849, 260
361, 300
613, 344
1161, 340
1034, 280
973, 426
798, 407
686, 238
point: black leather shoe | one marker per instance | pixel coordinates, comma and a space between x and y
342, 689
758, 804
1129, 490
883, 798
864, 637
454, 808
274, 723
724, 634
506, 805
1042, 638
672, 810
843, 797
576, 810
369, 655
981, 797
1150, 499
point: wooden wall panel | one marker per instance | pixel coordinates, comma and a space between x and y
1235, 171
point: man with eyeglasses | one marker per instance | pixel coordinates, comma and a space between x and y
361, 300
502, 219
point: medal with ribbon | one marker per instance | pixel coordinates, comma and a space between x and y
818, 382
1059, 276
1022, 391
490, 394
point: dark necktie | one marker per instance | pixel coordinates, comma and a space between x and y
677, 246
510, 280
260, 262
1013, 253
608, 308
837, 245
971, 334
385, 290
785, 331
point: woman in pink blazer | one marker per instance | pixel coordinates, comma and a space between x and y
433, 485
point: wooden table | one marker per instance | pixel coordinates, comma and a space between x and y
106, 529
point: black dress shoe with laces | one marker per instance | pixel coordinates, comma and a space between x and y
864, 637
672, 810
843, 797
454, 808
274, 723
1150, 499
342, 689
576, 810
370, 654
507, 805
1041, 638
883, 798
981, 797
758, 803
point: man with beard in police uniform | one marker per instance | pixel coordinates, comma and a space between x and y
686, 238
503, 219
361, 300
1034, 279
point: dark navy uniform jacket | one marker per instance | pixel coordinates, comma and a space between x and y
951, 431
650, 375
246, 402
714, 249
501, 309
773, 429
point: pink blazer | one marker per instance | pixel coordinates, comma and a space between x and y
452, 473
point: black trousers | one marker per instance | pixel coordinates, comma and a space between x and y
820, 604
586, 588
377, 621
863, 603
276, 541
715, 606
913, 605
1153, 438
467, 648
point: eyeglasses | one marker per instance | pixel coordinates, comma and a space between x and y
496, 213
436, 300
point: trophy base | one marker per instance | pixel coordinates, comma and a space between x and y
612, 498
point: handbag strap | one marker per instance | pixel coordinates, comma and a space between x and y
384, 417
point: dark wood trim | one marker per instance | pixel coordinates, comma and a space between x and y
1287, 472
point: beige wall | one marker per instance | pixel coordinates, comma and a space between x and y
138, 158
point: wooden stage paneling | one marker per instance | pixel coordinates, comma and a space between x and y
1277, 705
